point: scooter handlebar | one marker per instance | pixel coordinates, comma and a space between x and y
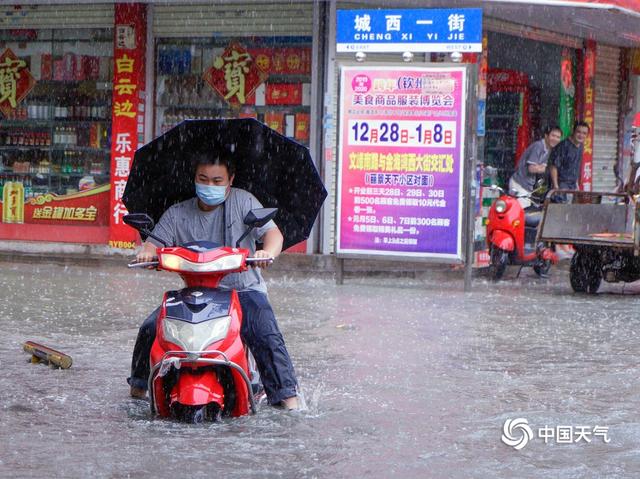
155, 263
145, 264
250, 261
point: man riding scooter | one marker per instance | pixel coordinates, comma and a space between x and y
533, 165
513, 217
216, 215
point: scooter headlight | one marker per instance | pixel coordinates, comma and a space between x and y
176, 263
501, 206
195, 336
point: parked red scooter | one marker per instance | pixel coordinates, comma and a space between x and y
511, 236
200, 368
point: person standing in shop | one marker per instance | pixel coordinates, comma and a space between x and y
565, 160
632, 186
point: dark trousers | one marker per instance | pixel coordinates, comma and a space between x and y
259, 332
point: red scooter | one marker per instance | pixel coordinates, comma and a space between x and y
200, 369
511, 237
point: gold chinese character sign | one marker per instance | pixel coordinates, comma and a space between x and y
16, 81
235, 74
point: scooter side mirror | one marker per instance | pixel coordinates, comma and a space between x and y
143, 223
260, 217
255, 219
139, 221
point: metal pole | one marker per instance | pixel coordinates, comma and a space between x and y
340, 271
470, 176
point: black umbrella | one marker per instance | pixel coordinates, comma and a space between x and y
277, 170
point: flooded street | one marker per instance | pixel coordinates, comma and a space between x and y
402, 377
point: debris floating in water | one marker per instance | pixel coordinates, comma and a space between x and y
43, 354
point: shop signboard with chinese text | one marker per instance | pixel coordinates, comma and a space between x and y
418, 30
82, 214
128, 111
400, 170
589, 64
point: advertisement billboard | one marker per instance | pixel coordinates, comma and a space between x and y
400, 170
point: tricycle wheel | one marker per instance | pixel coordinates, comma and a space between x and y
499, 259
542, 268
585, 275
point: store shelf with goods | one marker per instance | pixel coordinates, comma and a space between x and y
98, 84
41, 123
180, 108
46, 175
54, 167
23, 148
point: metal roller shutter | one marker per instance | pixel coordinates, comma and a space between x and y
99, 15
605, 140
255, 18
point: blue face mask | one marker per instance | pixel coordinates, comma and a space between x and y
211, 195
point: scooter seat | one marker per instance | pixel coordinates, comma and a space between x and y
532, 220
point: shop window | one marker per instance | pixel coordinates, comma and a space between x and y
265, 78
55, 129
523, 97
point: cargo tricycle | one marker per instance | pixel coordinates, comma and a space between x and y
604, 230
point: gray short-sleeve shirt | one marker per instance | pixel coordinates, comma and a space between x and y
536, 154
185, 222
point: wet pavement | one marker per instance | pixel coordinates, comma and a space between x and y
408, 378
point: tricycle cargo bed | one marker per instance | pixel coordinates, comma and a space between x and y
605, 224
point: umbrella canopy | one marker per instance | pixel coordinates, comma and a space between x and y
278, 171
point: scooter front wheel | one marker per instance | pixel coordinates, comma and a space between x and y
499, 259
197, 414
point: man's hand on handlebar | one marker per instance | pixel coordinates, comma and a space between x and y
147, 254
269, 257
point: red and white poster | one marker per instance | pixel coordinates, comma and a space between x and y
401, 151
127, 130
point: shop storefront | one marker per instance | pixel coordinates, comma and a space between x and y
269, 65
55, 122
235, 61
541, 80
536, 79
80, 99
523, 96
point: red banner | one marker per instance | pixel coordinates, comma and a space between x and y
635, 61
290, 60
284, 94
16, 81
84, 208
127, 130
589, 72
235, 75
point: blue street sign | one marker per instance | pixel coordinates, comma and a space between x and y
482, 111
433, 30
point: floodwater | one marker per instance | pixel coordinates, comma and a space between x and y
407, 378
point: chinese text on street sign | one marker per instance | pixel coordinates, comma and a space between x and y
400, 161
433, 30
